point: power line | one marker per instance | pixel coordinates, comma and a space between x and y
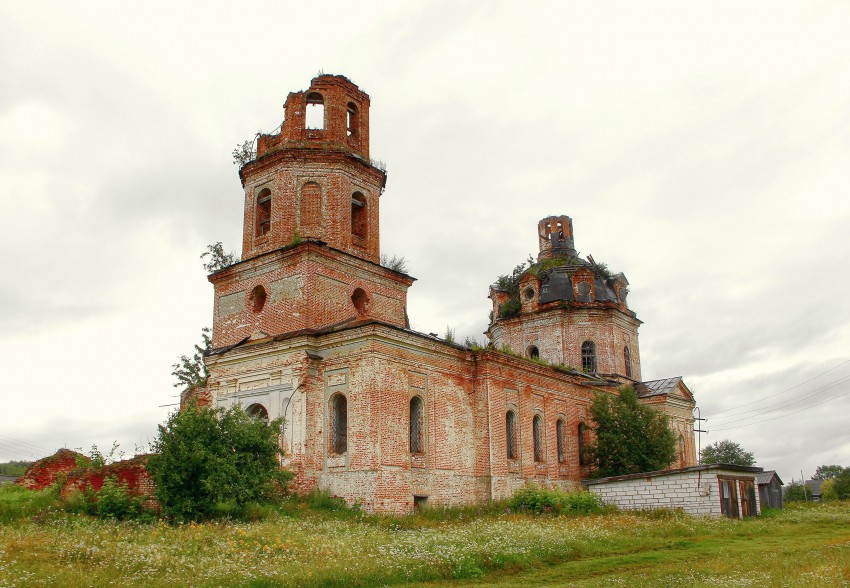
784, 415
786, 403
783, 391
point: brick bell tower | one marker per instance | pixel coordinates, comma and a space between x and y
310, 243
568, 310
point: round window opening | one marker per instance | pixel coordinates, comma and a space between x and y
257, 299
360, 300
529, 293
259, 412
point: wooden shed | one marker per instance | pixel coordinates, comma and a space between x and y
770, 489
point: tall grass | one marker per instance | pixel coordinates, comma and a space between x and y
316, 541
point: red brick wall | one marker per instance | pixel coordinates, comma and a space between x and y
43, 473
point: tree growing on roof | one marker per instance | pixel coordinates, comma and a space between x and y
729, 452
630, 437
192, 371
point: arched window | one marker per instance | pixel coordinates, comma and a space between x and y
588, 357
351, 120
417, 444
360, 300
358, 215
257, 299
259, 412
264, 212
510, 434
582, 445
537, 433
559, 434
315, 117
533, 352
338, 409
628, 357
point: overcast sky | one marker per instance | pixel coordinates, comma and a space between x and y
701, 148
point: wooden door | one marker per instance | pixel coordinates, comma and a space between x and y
728, 498
748, 498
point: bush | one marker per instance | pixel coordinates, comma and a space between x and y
209, 461
535, 499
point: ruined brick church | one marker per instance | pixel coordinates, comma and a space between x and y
309, 326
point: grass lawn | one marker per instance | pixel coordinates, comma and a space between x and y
802, 545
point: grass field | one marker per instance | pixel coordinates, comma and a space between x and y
296, 545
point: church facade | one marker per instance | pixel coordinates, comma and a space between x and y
309, 326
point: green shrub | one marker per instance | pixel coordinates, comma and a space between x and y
208, 457
115, 501
535, 499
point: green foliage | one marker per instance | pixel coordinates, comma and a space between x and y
828, 472
841, 485
14, 468
205, 457
630, 437
395, 263
97, 459
114, 500
510, 308
796, 492
244, 153
449, 335
472, 343
296, 238
538, 500
729, 452
192, 371
17, 503
218, 258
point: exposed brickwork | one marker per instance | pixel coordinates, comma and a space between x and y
298, 325
43, 473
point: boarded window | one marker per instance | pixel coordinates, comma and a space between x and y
560, 431
264, 212
588, 357
510, 434
315, 116
311, 210
338, 406
359, 227
417, 444
583, 292
537, 433
627, 355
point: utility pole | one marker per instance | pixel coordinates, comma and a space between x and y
699, 433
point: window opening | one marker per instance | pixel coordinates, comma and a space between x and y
419, 502
257, 299
584, 292
339, 424
510, 434
537, 433
351, 119
315, 116
259, 412
582, 446
416, 428
628, 356
559, 434
588, 357
264, 212
529, 293
533, 352
360, 300
358, 215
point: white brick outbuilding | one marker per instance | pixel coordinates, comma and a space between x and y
716, 490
